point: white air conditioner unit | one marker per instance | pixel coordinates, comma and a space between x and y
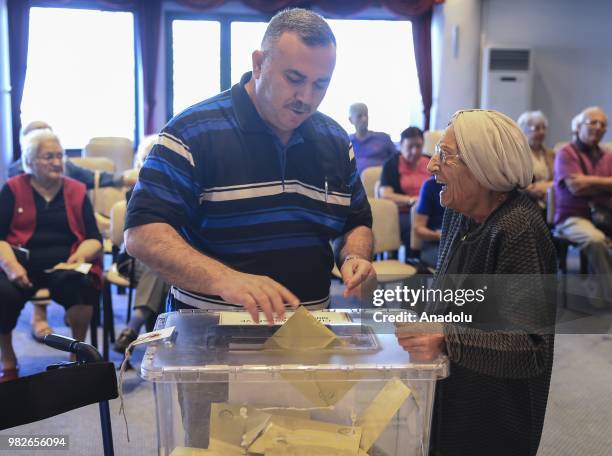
506, 80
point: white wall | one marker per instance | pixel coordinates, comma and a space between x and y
6, 144
455, 66
572, 58
572, 54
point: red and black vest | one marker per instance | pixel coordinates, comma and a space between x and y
23, 223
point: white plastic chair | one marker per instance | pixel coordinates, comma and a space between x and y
119, 150
386, 229
370, 177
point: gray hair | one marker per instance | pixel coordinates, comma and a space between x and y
580, 117
310, 27
357, 107
531, 117
30, 146
34, 125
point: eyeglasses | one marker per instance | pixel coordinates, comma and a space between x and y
445, 154
50, 157
592, 123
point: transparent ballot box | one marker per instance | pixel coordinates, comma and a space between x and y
320, 384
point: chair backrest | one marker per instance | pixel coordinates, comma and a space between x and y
385, 225
102, 199
119, 150
94, 163
430, 139
415, 241
369, 177
550, 205
117, 221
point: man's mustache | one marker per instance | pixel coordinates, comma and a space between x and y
300, 107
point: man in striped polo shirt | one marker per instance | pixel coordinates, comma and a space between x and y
238, 201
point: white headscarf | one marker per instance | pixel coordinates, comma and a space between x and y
494, 149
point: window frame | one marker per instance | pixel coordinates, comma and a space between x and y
225, 19
137, 59
225, 61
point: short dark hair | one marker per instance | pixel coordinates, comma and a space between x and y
412, 132
310, 27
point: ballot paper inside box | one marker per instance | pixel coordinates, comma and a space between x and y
357, 393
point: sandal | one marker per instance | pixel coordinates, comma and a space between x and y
39, 335
6, 375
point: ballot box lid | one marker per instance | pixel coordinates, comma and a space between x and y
209, 346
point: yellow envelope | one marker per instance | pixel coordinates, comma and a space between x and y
300, 433
301, 332
323, 388
377, 415
186, 451
311, 450
83, 268
230, 423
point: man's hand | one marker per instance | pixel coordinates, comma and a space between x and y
579, 184
422, 346
17, 273
255, 293
357, 274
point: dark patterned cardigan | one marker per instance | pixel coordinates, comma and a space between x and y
494, 401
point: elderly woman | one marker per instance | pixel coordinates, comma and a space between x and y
45, 219
495, 398
534, 124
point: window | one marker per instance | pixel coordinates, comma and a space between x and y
246, 37
375, 65
196, 51
81, 75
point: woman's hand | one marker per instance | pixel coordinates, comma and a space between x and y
17, 274
86, 252
76, 258
422, 346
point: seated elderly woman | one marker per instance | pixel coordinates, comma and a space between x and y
45, 219
495, 398
534, 124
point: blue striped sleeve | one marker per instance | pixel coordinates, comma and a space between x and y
166, 191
